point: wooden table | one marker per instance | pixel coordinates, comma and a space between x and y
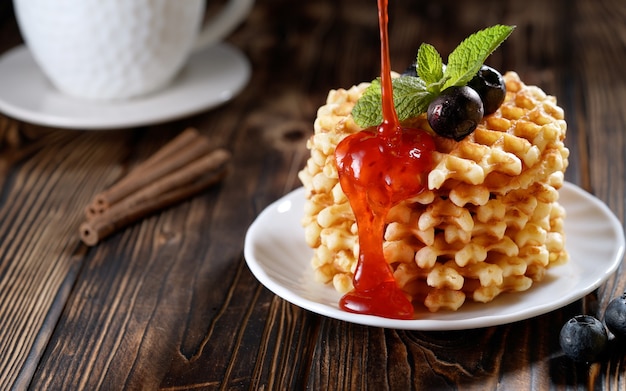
169, 303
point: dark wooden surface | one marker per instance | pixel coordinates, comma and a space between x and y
169, 303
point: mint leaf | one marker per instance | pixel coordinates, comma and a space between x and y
368, 109
465, 61
429, 64
410, 96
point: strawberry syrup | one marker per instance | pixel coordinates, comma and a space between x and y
379, 167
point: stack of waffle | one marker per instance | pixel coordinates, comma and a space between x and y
489, 221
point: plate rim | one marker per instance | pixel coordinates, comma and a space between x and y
433, 324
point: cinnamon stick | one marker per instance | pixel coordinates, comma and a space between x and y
171, 188
179, 142
184, 148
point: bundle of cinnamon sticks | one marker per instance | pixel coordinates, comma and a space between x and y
180, 169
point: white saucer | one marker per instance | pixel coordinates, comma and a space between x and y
211, 77
280, 259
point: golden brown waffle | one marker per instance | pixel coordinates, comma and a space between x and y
489, 222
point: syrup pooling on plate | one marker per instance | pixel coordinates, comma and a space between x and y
379, 167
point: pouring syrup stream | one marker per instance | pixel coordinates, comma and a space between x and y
379, 167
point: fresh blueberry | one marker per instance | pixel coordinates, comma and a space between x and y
615, 316
583, 338
410, 71
490, 86
456, 112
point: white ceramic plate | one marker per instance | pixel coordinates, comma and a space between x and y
280, 259
211, 77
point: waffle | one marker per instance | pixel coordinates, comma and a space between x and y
489, 221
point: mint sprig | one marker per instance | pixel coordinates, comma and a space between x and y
465, 61
429, 64
412, 95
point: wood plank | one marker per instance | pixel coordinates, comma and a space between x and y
39, 251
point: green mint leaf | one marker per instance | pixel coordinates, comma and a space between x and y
436, 88
410, 96
429, 64
465, 61
368, 111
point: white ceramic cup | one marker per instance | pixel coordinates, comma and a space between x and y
119, 49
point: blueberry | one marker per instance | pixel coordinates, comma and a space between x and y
490, 86
583, 338
410, 71
615, 316
456, 112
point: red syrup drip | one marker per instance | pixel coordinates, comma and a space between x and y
379, 167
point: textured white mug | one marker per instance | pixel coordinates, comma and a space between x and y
119, 49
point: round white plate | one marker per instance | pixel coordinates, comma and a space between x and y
211, 77
280, 259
